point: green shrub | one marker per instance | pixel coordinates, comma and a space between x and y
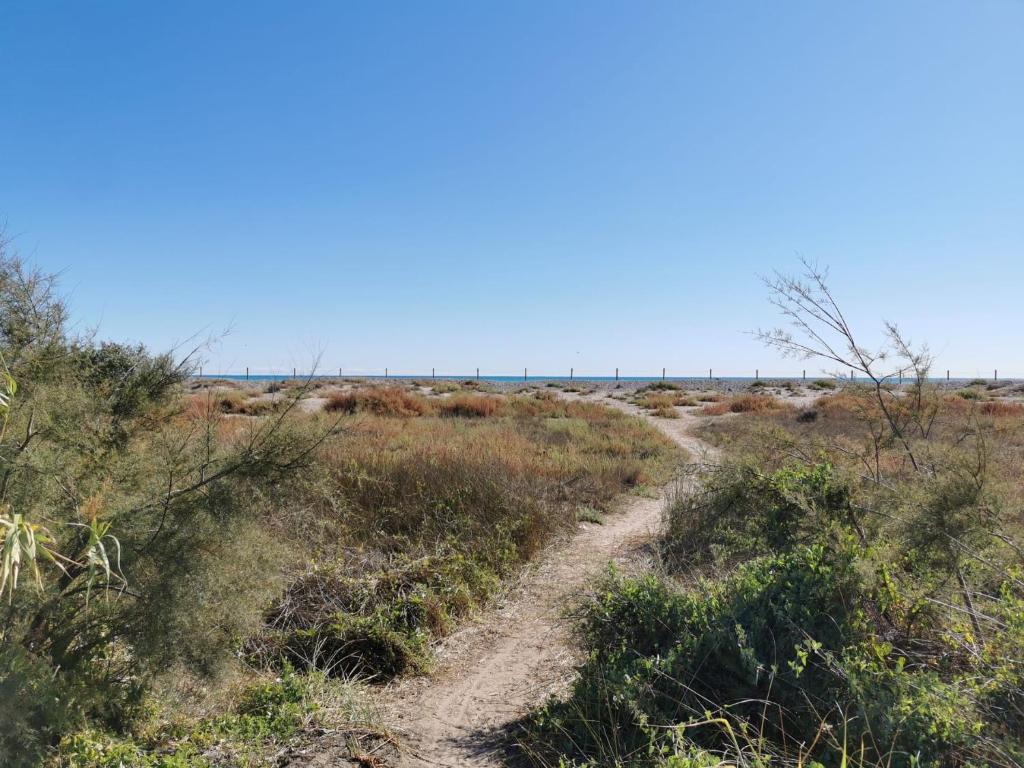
782, 660
268, 715
821, 384
970, 394
736, 511
658, 657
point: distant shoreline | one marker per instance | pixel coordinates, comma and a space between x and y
506, 383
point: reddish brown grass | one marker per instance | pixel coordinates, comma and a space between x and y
709, 397
472, 406
227, 401
1001, 408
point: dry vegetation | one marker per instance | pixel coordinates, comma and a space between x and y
745, 403
204, 567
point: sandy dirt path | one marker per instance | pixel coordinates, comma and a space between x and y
517, 653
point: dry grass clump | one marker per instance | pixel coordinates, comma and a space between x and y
709, 397
665, 413
472, 406
380, 401
970, 394
660, 385
820, 384
1001, 408
228, 401
479, 386
254, 406
843, 401
656, 401
745, 403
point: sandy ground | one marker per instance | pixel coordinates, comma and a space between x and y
517, 653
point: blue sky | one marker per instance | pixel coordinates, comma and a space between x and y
542, 184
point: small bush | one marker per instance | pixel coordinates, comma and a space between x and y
744, 404
738, 511
970, 394
658, 656
267, 717
660, 386
820, 384
380, 401
472, 406
664, 400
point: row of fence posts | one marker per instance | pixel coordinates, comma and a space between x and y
572, 373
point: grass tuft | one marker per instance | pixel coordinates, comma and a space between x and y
745, 403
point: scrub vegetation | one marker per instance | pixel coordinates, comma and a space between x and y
844, 588
201, 575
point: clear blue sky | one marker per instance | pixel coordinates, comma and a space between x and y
542, 184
